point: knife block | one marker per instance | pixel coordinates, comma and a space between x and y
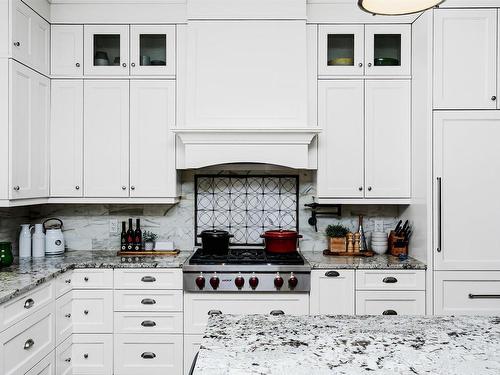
397, 244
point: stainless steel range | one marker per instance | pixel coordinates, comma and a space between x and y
249, 269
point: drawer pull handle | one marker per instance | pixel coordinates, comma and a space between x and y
68, 315
148, 355
390, 280
86, 356
86, 312
332, 274
148, 279
214, 312
29, 303
148, 323
277, 312
484, 296
67, 360
389, 312
148, 301
28, 344
67, 281
86, 279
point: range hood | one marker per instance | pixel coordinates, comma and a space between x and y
245, 95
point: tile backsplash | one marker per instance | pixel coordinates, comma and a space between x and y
86, 227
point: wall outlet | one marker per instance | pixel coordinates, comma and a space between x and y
113, 226
379, 226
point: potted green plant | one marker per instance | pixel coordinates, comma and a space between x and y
336, 234
149, 239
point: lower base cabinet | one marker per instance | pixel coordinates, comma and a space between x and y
92, 354
332, 292
46, 366
64, 358
390, 302
192, 345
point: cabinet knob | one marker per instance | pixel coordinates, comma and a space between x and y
77, 187
86, 312
369, 188
360, 188
360, 65
29, 303
493, 98
17, 44
124, 65
132, 65
124, 187
67, 315
86, 279
16, 188
85, 355
67, 360
369, 65
29, 344
77, 65
68, 281
132, 187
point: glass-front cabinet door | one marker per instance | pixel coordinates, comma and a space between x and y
106, 49
341, 50
152, 50
388, 50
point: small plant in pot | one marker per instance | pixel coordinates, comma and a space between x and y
336, 234
149, 239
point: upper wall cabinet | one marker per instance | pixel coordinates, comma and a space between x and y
30, 38
357, 50
67, 50
465, 59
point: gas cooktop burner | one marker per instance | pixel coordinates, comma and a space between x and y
246, 256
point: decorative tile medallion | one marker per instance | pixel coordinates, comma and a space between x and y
246, 206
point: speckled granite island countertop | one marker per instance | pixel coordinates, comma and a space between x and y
380, 262
20, 278
283, 345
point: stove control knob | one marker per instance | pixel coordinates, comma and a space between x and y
200, 282
239, 281
214, 282
254, 281
293, 281
278, 281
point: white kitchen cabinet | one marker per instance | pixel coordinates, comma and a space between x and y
92, 354
466, 164
106, 50
152, 148
46, 366
465, 58
390, 279
152, 50
106, 138
64, 318
148, 300
390, 302
332, 292
387, 138
66, 138
92, 311
467, 293
340, 144
341, 50
92, 279
137, 278
388, 50
30, 37
67, 50
148, 322
29, 125
63, 357
192, 345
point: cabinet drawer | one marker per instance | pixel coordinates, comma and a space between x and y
63, 357
198, 305
63, 283
92, 311
92, 279
23, 306
332, 292
152, 322
27, 342
390, 280
148, 279
151, 354
64, 322
46, 366
148, 300
390, 303
92, 354
467, 293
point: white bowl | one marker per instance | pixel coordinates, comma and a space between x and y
379, 249
379, 235
380, 243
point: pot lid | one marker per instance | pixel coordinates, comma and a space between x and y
280, 233
215, 232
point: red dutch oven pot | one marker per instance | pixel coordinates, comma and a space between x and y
281, 241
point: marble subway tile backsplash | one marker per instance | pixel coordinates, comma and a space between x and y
86, 227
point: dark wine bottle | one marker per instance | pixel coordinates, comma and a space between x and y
123, 237
138, 236
130, 236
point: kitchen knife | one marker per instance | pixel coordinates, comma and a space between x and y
405, 226
398, 226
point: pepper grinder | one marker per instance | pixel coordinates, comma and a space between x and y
361, 231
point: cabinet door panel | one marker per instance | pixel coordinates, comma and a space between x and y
387, 138
390, 303
67, 50
465, 61
21, 25
106, 50
340, 144
40, 45
66, 139
106, 138
92, 354
332, 292
152, 144
467, 159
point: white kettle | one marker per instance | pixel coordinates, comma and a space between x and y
54, 238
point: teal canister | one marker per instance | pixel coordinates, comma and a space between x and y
6, 257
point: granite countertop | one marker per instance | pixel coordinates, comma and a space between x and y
320, 261
263, 344
28, 273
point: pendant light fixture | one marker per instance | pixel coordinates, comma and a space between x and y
396, 7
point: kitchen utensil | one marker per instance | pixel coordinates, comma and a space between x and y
145, 60
25, 241
362, 241
6, 256
38, 242
215, 241
54, 237
386, 61
281, 241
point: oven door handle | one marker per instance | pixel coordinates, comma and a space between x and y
214, 312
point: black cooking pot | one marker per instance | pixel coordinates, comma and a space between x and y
215, 241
